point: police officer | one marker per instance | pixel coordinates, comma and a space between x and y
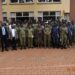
30, 36
70, 33
55, 35
18, 34
40, 34
47, 36
35, 34
63, 35
22, 37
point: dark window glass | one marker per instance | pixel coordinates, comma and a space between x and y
29, 0
45, 13
25, 14
48, 0
52, 13
3, 1
21, 1
18, 14
41, 0
56, 0
14, 1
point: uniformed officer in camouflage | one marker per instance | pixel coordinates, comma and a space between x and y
40, 34
35, 34
18, 33
63, 35
22, 37
30, 36
47, 36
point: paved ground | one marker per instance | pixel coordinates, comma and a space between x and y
38, 62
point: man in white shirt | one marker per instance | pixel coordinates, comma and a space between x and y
13, 35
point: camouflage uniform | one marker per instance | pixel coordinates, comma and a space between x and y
40, 34
47, 36
35, 35
63, 36
30, 36
22, 37
18, 35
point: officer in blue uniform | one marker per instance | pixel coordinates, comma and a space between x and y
70, 33
55, 35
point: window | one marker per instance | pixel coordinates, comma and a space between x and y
3, 1
14, 1
45, 13
29, 0
49, 0
56, 0
4, 16
18, 14
41, 0
21, 1
52, 13
49, 15
31, 14
66, 16
25, 14
12, 14
21, 16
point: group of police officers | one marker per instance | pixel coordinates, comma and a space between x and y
49, 34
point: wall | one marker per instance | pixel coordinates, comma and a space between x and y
1, 11
72, 10
64, 7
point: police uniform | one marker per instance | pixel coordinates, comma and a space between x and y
63, 36
70, 33
47, 36
40, 34
55, 35
35, 35
22, 37
18, 35
30, 36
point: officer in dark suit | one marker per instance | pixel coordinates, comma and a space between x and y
4, 37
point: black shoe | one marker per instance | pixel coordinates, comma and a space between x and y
6, 49
2, 50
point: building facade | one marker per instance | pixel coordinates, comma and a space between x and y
72, 10
35, 9
1, 18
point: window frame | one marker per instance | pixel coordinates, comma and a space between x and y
46, 1
18, 2
4, 2
56, 16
